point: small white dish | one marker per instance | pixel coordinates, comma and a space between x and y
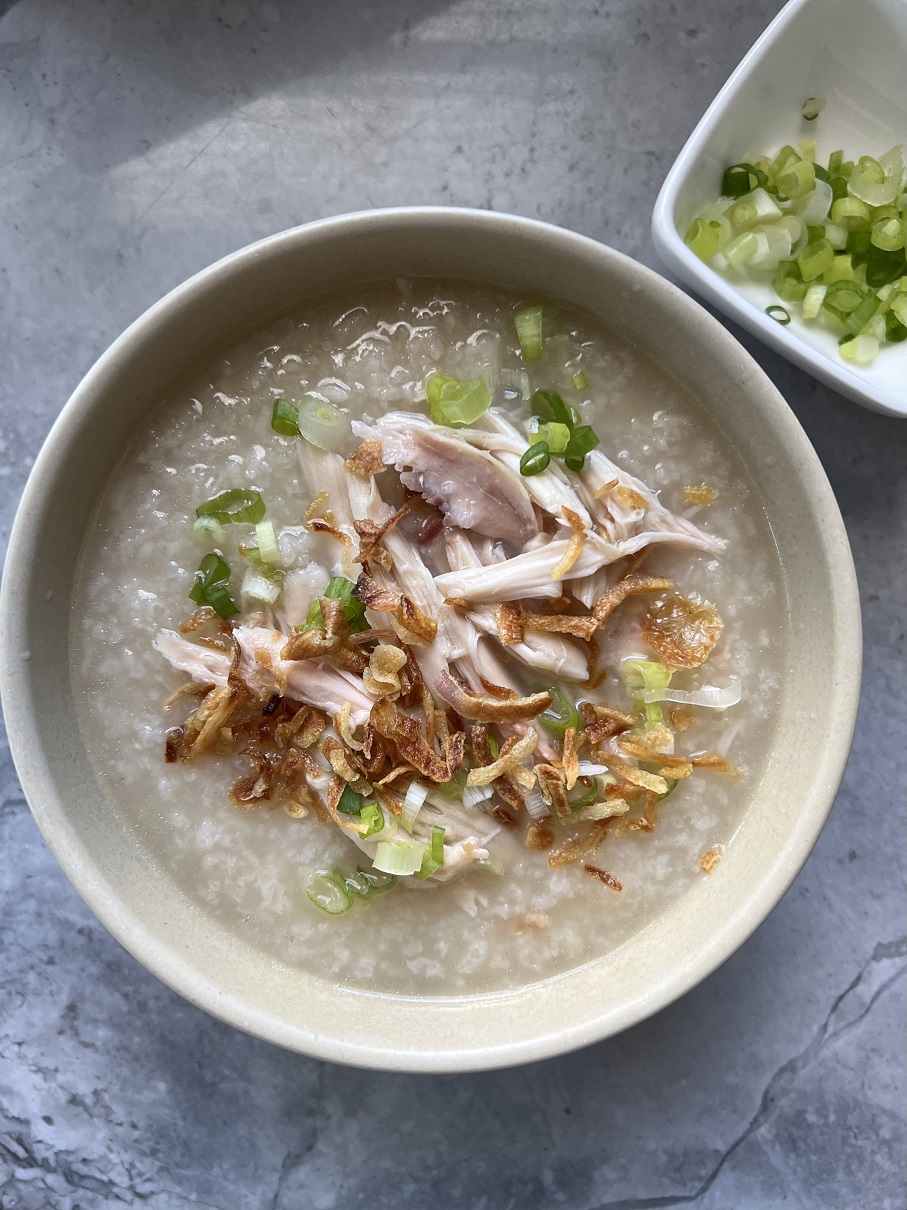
855, 55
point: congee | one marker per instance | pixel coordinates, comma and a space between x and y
430, 640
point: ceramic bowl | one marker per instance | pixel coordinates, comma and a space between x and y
193, 952
851, 54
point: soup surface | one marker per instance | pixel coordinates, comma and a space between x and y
511, 917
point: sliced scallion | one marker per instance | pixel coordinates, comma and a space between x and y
561, 714
285, 419
536, 459
329, 893
268, 546
208, 531
412, 804
399, 856
812, 108
528, 323
582, 440
454, 403
235, 506
350, 802
779, 314
580, 381
550, 408
210, 587
373, 817
556, 436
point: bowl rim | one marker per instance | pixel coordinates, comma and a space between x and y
163, 959
710, 284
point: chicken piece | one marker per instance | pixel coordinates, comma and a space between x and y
552, 653
472, 489
266, 673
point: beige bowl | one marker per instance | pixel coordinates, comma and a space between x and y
192, 952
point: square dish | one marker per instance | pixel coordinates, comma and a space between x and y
851, 54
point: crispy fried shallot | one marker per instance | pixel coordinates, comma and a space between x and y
383, 600
371, 535
382, 676
365, 460
509, 757
574, 546
406, 735
324, 640
709, 860
603, 876
681, 631
488, 709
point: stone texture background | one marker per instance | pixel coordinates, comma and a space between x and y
139, 142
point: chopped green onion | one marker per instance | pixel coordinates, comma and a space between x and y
797, 179
399, 856
437, 845
738, 179
741, 249
210, 586
858, 241
815, 259
755, 207
356, 883
812, 108
895, 331
857, 320
788, 282
884, 267
556, 436
454, 403
580, 381
350, 802
373, 817
322, 424
285, 419
536, 459
812, 302
561, 714
859, 349
704, 238
208, 531
842, 297
779, 314
327, 892
528, 323
268, 546
339, 589
888, 234
672, 786
412, 805
643, 675
582, 440
851, 214
377, 880
261, 588
550, 408
841, 269
238, 505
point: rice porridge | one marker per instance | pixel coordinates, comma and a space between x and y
557, 508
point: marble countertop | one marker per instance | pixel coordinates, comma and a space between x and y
138, 143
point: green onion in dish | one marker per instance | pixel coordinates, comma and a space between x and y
399, 857
580, 381
812, 108
582, 441
329, 893
433, 858
561, 714
350, 802
551, 409
536, 459
811, 226
556, 436
268, 546
210, 586
208, 531
455, 403
372, 817
528, 323
642, 676
285, 419
238, 505
339, 589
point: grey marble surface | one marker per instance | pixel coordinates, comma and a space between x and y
139, 142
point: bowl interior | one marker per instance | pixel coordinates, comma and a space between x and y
202, 959
851, 54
